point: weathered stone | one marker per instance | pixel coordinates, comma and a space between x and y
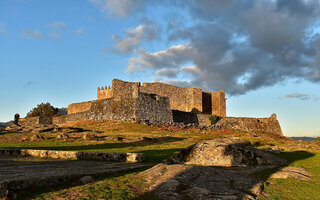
226, 153
36, 138
63, 136
195, 182
293, 172
16, 119
76, 155
89, 136
86, 179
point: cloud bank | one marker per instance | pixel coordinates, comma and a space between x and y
235, 45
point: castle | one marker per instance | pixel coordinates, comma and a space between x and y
181, 99
159, 103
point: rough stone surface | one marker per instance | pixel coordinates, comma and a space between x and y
293, 172
225, 153
86, 179
27, 174
75, 155
195, 182
36, 137
265, 125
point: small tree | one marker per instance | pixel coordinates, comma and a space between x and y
43, 110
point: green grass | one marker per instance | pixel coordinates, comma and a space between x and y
128, 185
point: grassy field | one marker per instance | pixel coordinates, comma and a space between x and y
124, 137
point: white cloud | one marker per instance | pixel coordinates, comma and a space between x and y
79, 31
56, 29
172, 57
147, 31
121, 8
240, 46
32, 34
301, 96
3, 29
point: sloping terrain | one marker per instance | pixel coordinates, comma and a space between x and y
159, 143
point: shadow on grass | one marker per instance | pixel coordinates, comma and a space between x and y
289, 156
35, 192
106, 146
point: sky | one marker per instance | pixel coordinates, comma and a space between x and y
264, 53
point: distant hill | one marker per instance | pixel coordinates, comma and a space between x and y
5, 124
304, 138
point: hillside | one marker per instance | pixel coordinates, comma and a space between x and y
159, 143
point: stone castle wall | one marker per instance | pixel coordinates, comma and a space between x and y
33, 121
104, 93
265, 125
146, 107
79, 107
154, 108
218, 103
183, 99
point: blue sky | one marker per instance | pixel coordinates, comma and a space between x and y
264, 54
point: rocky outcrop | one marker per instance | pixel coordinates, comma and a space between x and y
293, 172
225, 153
75, 155
172, 182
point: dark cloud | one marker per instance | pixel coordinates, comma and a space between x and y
237, 45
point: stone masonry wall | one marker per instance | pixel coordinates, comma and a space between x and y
79, 107
104, 93
33, 121
124, 90
266, 125
183, 99
154, 108
218, 103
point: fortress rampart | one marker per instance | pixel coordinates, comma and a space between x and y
160, 103
181, 98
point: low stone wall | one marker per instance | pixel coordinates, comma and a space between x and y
75, 155
79, 107
204, 119
33, 121
71, 118
266, 125
191, 118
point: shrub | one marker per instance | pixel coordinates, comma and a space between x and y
43, 110
318, 140
214, 119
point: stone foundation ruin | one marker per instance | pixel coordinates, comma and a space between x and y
160, 103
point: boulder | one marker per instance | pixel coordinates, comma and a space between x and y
90, 136
63, 136
293, 172
36, 137
197, 182
86, 179
225, 153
